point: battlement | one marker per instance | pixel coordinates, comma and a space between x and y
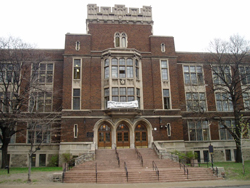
119, 13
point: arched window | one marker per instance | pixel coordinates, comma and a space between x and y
117, 40
77, 46
120, 40
163, 47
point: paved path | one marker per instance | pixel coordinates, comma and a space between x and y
200, 184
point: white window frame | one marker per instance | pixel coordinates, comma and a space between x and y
120, 40
196, 129
75, 130
166, 69
196, 73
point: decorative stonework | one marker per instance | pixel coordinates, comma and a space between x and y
119, 14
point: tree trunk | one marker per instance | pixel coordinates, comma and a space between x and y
5, 161
238, 153
29, 171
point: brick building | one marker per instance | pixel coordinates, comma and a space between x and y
119, 59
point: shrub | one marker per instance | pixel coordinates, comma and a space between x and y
53, 161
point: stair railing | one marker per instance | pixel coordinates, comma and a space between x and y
126, 170
156, 169
139, 156
96, 172
117, 157
64, 170
184, 168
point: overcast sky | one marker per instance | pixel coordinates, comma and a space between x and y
192, 23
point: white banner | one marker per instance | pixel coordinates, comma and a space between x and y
131, 104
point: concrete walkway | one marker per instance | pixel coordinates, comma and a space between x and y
201, 184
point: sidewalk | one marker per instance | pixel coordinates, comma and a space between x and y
201, 184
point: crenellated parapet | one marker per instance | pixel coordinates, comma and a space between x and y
119, 14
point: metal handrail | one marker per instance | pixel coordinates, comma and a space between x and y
139, 156
117, 157
156, 169
184, 168
96, 172
126, 170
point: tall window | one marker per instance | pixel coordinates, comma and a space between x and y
196, 101
138, 96
121, 40
41, 102
224, 133
245, 75
162, 47
137, 68
193, 75
76, 99
166, 99
75, 130
223, 102
164, 70
106, 68
77, 68
43, 73
246, 99
106, 97
77, 45
39, 133
221, 75
198, 130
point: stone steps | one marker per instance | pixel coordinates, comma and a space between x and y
108, 171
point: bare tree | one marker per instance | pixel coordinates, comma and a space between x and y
230, 65
19, 88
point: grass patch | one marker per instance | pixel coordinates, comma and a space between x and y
34, 169
234, 171
11, 181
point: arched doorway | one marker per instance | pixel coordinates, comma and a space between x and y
122, 136
141, 138
104, 136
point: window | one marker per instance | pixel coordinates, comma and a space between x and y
77, 46
162, 47
196, 101
76, 99
224, 133
246, 99
106, 68
121, 68
164, 70
42, 159
206, 156
198, 131
137, 68
39, 133
223, 102
41, 102
120, 40
138, 96
166, 99
75, 130
43, 73
168, 127
228, 155
9, 72
8, 101
123, 94
245, 75
77, 68
193, 75
106, 97
221, 75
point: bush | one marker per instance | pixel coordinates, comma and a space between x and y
53, 161
66, 157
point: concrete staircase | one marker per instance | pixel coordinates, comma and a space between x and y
108, 170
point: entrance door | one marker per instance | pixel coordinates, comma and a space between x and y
122, 136
141, 138
104, 136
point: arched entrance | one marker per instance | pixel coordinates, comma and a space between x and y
141, 138
122, 136
104, 136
